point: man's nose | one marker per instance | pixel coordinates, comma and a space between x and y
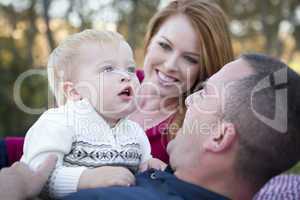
193, 98
189, 100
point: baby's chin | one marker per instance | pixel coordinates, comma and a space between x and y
118, 113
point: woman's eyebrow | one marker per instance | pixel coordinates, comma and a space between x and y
187, 52
164, 37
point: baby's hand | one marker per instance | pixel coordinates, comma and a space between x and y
153, 163
106, 176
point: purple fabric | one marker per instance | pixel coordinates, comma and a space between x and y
140, 74
282, 187
158, 139
3, 154
14, 147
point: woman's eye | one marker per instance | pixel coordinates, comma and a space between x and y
108, 69
164, 46
191, 60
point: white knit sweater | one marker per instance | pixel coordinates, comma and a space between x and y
82, 139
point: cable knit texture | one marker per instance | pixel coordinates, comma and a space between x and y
82, 139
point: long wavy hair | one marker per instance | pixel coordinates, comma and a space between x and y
211, 25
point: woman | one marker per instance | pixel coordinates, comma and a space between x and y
186, 42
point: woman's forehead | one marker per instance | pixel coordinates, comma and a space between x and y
179, 30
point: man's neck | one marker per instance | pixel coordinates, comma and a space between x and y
223, 183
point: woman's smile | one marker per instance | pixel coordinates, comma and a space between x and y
164, 79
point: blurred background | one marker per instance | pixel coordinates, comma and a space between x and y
30, 29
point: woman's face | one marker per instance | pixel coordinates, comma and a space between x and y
172, 59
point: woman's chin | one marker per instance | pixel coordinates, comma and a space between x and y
155, 87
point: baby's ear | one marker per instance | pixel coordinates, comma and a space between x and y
70, 91
223, 140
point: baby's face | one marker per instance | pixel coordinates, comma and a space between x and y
105, 75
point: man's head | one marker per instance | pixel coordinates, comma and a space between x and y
237, 122
266, 113
98, 66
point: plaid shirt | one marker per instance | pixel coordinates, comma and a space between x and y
282, 187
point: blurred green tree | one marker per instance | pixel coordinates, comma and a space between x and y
17, 57
254, 18
25, 22
30, 29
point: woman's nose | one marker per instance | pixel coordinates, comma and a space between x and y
171, 63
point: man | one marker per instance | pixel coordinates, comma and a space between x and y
245, 148
239, 131
19, 182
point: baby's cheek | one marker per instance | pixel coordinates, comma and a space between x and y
102, 85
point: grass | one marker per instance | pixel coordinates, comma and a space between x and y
295, 169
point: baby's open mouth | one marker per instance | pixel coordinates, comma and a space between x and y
126, 93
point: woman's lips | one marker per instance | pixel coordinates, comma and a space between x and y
164, 79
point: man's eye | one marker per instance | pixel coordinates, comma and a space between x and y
164, 46
108, 68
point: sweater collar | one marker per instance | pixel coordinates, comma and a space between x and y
84, 108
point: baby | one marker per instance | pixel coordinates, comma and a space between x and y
92, 75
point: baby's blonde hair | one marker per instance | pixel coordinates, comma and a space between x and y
61, 60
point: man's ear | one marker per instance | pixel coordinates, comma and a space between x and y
223, 139
70, 91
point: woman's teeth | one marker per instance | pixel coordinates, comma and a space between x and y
164, 79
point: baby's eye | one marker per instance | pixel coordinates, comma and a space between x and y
108, 68
131, 69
